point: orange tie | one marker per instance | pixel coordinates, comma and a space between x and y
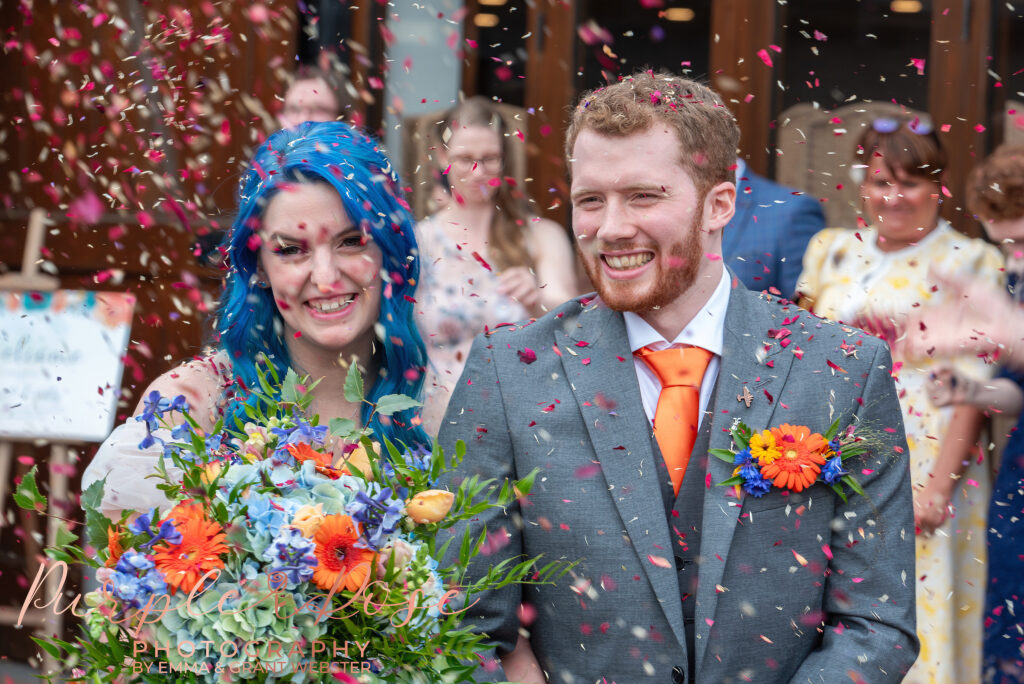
680, 370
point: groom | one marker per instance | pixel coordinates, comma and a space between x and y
679, 580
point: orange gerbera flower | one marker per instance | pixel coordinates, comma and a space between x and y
183, 512
339, 561
801, 455
304, 452
113, 546
184, 564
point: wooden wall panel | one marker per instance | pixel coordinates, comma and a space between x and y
740, 28
958, 96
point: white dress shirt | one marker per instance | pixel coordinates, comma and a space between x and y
706, 330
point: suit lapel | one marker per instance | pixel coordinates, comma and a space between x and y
608, 395
747, 352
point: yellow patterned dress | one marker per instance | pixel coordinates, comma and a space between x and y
847, 278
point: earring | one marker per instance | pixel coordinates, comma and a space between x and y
262, 284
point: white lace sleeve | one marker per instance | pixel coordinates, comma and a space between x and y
126, 466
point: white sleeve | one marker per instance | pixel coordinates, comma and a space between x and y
126, 466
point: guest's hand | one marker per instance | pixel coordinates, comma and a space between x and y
972, 321
931, 508
946, 387
521, 285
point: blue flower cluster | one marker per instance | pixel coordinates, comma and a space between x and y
153, 408
379, 514
753, 482
293, 555
135, 579
144, 525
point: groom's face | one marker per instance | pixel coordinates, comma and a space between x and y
637, 216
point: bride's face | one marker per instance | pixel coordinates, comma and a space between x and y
324, 272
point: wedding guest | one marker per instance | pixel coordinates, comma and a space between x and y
874, 278
982, 321
678, 580
313, 94
765, 241
487, 259
321, 224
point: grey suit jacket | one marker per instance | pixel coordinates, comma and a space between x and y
798, 587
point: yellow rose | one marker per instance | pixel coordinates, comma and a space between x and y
359, 459
307, 519
430, 506
210, 472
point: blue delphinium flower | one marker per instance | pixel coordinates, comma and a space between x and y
379, 515
291, 554
302, 432
153, 408
833, 470
135, 579
144, 525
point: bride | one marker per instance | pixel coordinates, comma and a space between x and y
322, 273
322, 269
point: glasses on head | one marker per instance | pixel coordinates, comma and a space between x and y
887, 124
491, 163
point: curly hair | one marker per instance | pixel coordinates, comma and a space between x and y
707, 131
995, 188
248, 323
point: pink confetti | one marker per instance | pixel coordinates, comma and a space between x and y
483, 263
827, 551
919, 65
765, 57
658, 561
818, 35
979, 128
527, 355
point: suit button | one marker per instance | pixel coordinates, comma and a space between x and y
678, 676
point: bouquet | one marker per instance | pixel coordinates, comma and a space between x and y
282, 559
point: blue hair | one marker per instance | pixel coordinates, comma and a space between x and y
248, 323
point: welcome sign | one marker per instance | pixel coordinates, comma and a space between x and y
60, 363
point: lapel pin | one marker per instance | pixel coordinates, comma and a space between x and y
746, 397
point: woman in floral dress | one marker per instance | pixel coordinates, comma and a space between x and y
874, 278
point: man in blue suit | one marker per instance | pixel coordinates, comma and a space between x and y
765, 241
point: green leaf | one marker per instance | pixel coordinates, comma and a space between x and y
95, 522
741, 435
392, 403
353, 384
64, 536
723, 454
734, 480
832, 430
852, 483
342, 427
290, 391
839, 491
27, 494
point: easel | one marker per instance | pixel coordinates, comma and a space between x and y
43, 621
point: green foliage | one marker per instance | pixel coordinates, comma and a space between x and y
27, 494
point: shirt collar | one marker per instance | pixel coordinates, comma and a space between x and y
705, 330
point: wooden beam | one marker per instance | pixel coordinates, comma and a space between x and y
957, 96
739, 29
550, 92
